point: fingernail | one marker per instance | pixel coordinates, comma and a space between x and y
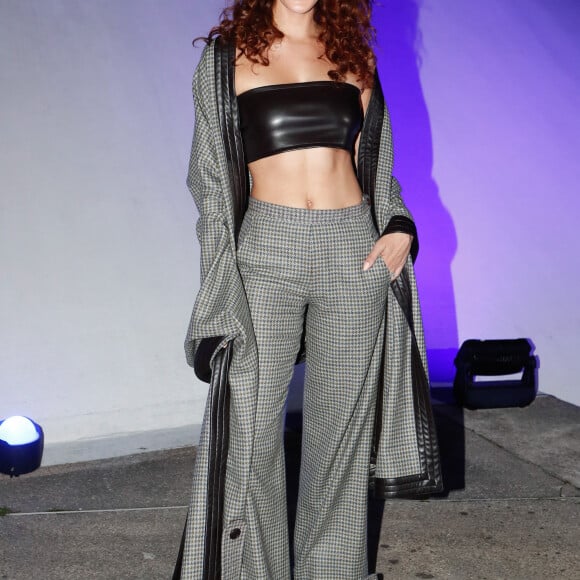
366, 266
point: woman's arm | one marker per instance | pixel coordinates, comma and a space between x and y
402, 220
399, 237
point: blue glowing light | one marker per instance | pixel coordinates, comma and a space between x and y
18, 430
21, 445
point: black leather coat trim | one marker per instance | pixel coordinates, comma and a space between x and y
401, 223
219, 403
179, 561
369, 145
203, 355
219, 390
430, 480
225, 64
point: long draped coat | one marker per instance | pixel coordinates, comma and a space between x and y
220, 344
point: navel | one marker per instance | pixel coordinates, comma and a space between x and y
309, 203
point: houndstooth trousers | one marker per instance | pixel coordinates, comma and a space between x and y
298, 263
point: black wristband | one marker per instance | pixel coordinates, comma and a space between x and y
203, 354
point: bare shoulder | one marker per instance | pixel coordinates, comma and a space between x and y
240, 56
367, 90
244, 72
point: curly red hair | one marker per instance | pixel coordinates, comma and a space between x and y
345, 28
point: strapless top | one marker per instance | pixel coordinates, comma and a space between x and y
276, 118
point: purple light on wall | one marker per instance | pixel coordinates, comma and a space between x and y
484, 104
398, 37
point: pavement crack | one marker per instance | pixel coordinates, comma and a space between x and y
97, 511
526, 460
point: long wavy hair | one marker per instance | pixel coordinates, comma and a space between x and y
345, 28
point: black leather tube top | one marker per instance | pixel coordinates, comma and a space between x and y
276, 118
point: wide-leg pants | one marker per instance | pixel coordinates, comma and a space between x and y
296, 263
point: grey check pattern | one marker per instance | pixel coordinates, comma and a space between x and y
293, 262
225, 306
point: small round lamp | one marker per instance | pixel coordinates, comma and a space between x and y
21, 445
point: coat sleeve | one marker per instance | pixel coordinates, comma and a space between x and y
211, 321
401, 219
203, 176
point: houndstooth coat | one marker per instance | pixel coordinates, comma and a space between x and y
221, 347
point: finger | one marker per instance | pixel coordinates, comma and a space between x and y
395, 262
372, 256
395, 273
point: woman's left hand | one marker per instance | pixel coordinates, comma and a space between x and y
393, 248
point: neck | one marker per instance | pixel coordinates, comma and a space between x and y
294, 25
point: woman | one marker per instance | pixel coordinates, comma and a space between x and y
306, 253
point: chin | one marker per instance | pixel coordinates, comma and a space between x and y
299, 6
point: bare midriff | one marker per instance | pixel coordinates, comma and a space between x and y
312, 178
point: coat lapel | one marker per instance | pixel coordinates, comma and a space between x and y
230, 131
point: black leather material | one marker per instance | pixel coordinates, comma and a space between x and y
430, 480
179, 562
219, 425
203, 355
369, 146
229, 119
282, 117
219, 394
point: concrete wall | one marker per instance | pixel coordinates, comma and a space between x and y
98, 254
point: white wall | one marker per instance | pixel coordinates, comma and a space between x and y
98, 254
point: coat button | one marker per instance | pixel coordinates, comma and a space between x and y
235, 533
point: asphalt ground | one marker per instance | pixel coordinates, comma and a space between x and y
510, 509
